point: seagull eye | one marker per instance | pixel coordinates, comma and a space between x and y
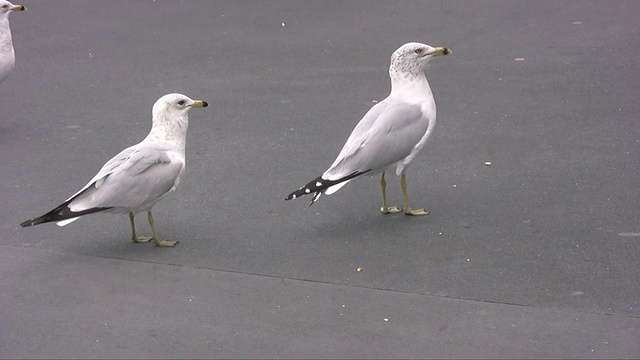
5, 6
181, 102
418, 51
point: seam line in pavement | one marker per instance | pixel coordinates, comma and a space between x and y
339, 284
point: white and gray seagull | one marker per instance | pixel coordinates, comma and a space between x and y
391, 133
7, 54
138, 177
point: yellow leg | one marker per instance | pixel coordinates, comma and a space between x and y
158, 242
407, 209
136, 239
386, 209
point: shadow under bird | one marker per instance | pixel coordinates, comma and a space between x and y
390, 134
138, 177
7, 54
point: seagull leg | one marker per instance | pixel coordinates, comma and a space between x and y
407, 209
158, 242
136, 239
386, 209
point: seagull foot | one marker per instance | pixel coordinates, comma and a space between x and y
390, 210
165, 243
141, 239
415, 212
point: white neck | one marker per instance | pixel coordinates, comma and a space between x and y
171, 133
5, 34
414, 84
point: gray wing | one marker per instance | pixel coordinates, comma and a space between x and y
136, 177
108, 168
359, 133
386, 134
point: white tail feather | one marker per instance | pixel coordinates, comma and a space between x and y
67, 221
331, 189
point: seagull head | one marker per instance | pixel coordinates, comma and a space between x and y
171, 114
7, 7
175, 106
412, 58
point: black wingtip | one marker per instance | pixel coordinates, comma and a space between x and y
28, 223
315, 198
48, 217
36, 221
318, 185
60, 213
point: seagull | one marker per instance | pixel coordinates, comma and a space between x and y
7, 55
138, 177
391, 133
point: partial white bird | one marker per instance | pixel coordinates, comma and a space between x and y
391, 134
7, 55
138, 177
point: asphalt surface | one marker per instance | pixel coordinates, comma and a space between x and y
536, 255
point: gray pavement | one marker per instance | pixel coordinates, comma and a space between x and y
534, 256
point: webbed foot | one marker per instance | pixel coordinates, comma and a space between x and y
390, 210
415, 212
141, 239
165, 243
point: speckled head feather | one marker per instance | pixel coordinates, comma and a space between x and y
411, 59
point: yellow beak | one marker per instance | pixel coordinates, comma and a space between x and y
441, 51
19, 8
200, 103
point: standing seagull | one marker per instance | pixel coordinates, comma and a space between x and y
139, 176
7, 55
391, 134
